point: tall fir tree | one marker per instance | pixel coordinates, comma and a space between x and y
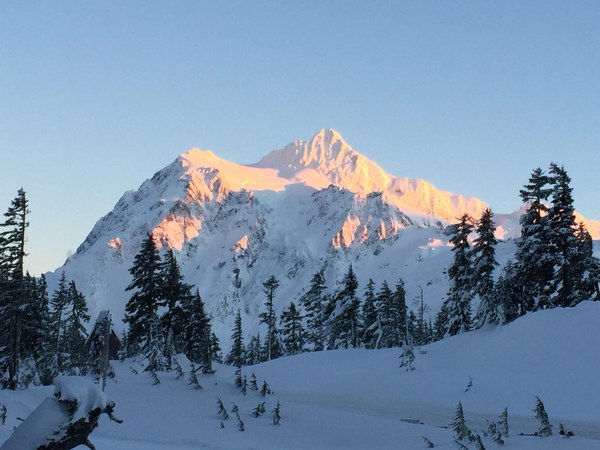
566, 281
292, 330
384, 303
59, 303
313, 302
587, 264
12, 288
198, 333
370, 316
269, 317
175, 293
253, 351
534, 261
236, 356
141, 309
343, 314
455, 314
484, 264
75, 334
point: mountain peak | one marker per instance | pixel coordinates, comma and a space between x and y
324, 150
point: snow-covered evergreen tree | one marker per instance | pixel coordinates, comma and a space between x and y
197, 332
343, 314
253, 351
566, 282
59, 303
370, 317
236, 356
292, 330
534, 261
277, 414
12, 288
141, 309
455, 314
459, 425
272, 343
313, 302
75, 337
541, 415
175, 293
484, 263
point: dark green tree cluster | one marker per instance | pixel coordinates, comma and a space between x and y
553, 265
183, 327
323, 321
39, 338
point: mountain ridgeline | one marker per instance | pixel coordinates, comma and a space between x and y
311, 207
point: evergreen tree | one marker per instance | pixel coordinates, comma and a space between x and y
586, 264
140, 311
542, 416
566, 282
343, 314
292, 330
370, 317
407, 358
197, 333
459, 426
215, 348
253, 351
313, 302
455, 314
12, 289
507, 294
175, 293
153, 351
389, 334
277, 414
484, 264
75, 333
236, 355
534, 263
59, 308
272, 345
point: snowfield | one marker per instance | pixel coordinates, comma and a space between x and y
360, 399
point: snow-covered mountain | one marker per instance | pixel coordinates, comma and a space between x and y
311, 205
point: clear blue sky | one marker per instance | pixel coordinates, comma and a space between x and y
471, 95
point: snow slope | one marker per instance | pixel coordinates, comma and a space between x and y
360, 399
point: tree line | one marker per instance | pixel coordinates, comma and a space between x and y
553, 266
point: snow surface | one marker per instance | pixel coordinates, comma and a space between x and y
361, 399
50, 418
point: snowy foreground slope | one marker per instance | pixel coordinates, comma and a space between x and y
360, 399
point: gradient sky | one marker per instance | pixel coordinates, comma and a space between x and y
97, 96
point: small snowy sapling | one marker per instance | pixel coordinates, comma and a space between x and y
408, 357
428, 443
469, 385
265, 389
503, 423
154, 376
459, 426
493, 430
253, 384
240, 423
221, 412
259, 410
277, 414
3, 413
